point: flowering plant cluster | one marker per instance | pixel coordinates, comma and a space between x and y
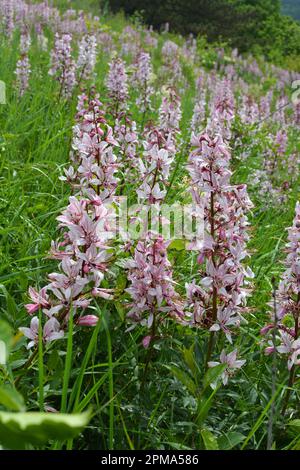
180, 130
117, 87
94, 163
218, 300
23, 65
154, 298
83, 250
86, 57
150, 273
141, 79
62, 64
286, 318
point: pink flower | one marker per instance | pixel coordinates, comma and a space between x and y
291, 347
106, 294
153, 295
170, 114
146, 341
40, 300
225, 318
88, 320
51, 331
231, 364
31, 333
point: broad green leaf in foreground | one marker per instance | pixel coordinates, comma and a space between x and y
230, 440
209, 440
11, 399
20, 429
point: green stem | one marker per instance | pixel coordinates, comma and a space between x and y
68, 364
293, 369
150, 351
111, 387
41, 364
274, 372
26, 366
214, 296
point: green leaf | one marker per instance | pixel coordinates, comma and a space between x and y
121, 282
53, 360
189, 358
209, 440
230, 440
204, 405
212, 375
178, 446
11, 305
295, 426
5, 332
120, 309
5, 341
295, 423
11, 399
184, 378
296, 446
17, 430
178, 245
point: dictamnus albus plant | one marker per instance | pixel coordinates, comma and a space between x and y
160, 145
83, 254
170, 115
198, 120
217, 296
279, 170
154, 298
141, 81
62, 64
223, 109
126, 134
86, 57
42, 40
285, 321
23, 65
82, 249
297, 114
171, 69
7, 12
154, 169
93, 162
117, 86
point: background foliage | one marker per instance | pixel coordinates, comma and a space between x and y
250, 25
